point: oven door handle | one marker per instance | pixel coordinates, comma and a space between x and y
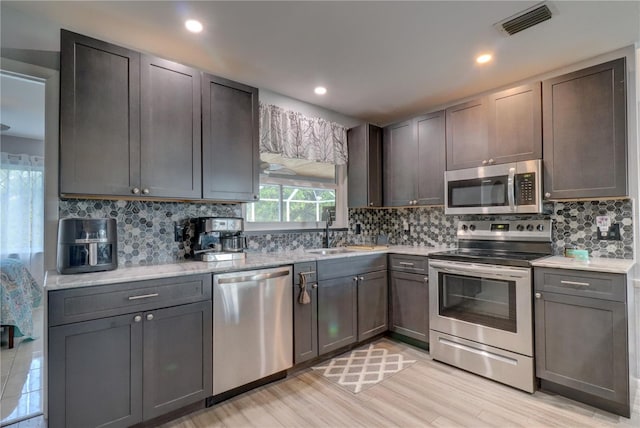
475, 269
511, 189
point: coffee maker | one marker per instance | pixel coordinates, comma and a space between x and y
219, 239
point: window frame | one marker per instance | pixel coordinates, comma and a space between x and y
340, 186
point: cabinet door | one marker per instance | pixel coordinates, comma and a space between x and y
430, 137
337, 313
230, 163
515, 124
170, 129
373, 308
585, 133
178, 347
581, 343
99, 117
467, 135
409, 308
95, 373
305, 324
400, 164
365, 166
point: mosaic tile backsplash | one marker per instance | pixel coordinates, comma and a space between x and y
146, 229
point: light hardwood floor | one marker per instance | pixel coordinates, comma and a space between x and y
426, 394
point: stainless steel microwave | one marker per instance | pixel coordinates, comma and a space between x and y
497, 189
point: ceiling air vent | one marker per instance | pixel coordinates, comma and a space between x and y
525, 19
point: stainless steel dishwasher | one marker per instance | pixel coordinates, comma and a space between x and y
252, 326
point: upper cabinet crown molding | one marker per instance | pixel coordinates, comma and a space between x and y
585, 133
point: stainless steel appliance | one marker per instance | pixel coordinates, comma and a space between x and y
496, 189
252, 326
481, 299
219, 239
87, 245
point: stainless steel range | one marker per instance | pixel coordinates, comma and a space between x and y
481, 299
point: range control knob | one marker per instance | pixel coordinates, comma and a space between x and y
464, 227
529, 227
520, 228
472, 227
540, 227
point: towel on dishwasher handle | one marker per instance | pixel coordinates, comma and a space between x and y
303, 298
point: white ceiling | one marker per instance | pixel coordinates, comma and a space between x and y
381, 61
22, 106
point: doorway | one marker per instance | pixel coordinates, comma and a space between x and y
22, 244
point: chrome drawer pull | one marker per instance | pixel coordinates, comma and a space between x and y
583, 284
143, 296
406, 264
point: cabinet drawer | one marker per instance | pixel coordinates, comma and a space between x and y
81, 304
580, 283
336, 268
308, 268
413, 264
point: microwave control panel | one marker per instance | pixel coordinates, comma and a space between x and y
526, 189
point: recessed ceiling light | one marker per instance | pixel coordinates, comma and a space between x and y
320, 90
482, 59
193, 25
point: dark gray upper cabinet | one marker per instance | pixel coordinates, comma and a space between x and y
365, 166
373, 308
399, 157
515, 124
585, 133
414, 161
99, 117
177, 357
581, 342
230, 157
170, 129
104, 388
467, 135
430, 138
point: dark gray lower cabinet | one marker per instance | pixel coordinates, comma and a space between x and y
177, 361
305, 315
95, 373
132, 366
581, 342
337, 313
409, 306
372, 304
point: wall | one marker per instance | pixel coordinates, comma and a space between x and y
20, 145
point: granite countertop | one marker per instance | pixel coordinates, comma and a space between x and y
595, 264
55, 281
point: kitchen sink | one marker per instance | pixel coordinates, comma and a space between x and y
327, 251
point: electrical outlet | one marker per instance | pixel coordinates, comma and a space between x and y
358, 228
610, 234
178, 232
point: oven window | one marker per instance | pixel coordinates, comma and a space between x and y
483, 301
479, 192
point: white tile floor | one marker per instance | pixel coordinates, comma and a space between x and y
23, 376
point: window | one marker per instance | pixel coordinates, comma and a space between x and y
294, 193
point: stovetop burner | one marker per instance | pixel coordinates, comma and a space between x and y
485, 256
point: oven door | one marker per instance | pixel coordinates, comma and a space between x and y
489, 304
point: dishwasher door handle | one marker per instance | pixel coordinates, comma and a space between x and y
248, 278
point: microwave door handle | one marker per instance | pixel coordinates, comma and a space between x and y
511, 190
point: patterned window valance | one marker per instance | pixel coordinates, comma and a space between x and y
295, 136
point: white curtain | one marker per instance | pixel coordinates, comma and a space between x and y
295, 136
22, 210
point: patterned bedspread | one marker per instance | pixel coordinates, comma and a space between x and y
19, 294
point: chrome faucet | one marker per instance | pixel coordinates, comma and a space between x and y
327, 217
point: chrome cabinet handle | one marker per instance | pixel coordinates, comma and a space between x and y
426, 279
355, 278
137, 318
145, 191
547, 195
484, 162
406, 264
370, 204
538, 295
149, 317
491, 161
314, 285
581, 284
143, 296
135, 190
362, 278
